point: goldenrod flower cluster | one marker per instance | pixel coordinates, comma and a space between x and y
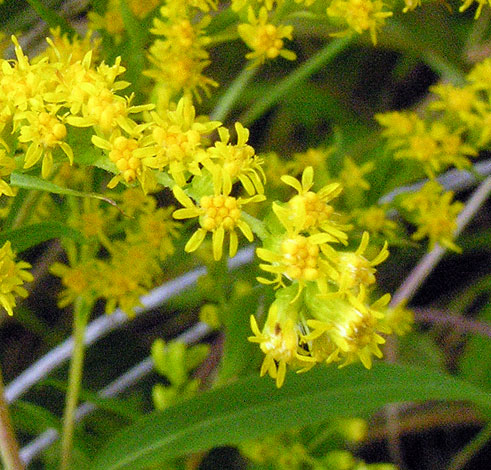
454, 130
137, 240
179, 58
67, 107
321, 312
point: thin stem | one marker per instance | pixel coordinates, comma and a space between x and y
122, 383
228, 99
8, 443
80, 319
278, 90
471, 449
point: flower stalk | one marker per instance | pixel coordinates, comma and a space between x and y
81, 317
8, 443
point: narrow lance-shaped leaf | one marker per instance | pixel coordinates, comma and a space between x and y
253, 407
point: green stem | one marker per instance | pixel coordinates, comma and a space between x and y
26, 208
80, 319
228, 99
471, 449
8, 443
278, 90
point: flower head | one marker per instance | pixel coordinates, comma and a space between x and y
44, 131
179, 137
219, 213
12, 276
353, 269
236, 162
349, 326
434, 213
359, 15
264, 38
279, 339
309, 211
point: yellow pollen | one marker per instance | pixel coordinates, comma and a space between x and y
52, 131
122, 155
219, 211
301, 258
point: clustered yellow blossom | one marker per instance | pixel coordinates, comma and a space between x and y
42, 99
264, 38
434, 213
180, 57
12, 277
435, 146
455, 128
321, 312
359, 16
112, 20
137, 240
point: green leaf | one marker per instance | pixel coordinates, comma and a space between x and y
33, 419
253, 407
51, 17
31, 235
22, 180
475, 365
237, 350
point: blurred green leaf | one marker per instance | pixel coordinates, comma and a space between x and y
33, 419
238, 351
475, 365
51, 17
253, 407
31, 235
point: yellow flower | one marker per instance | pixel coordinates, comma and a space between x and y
434, 214
354, 270
298, 258
156, 230
12, 277
179, 137
265, 39
217, 214
435, 146
79, 280
133, 160
44, 132
68, 50
279, 338
398, 124
179, 59
374, 220
236, 162
310, 211
352, 175
359, 15
349, 326
454, 100
399, 320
